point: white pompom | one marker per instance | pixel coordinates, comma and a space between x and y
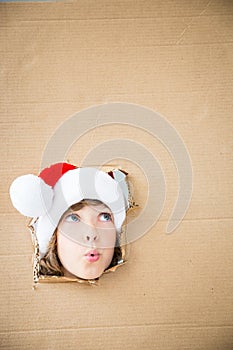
31, 196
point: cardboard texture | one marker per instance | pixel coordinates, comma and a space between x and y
174, 57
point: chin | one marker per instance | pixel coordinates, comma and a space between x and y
90, 276
84, 275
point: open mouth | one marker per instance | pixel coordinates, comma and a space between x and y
92, 256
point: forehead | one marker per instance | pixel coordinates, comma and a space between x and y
92, 208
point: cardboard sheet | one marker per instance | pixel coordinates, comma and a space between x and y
174, 57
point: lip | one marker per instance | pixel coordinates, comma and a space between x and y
92, 256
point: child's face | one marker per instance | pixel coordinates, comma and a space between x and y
86, 240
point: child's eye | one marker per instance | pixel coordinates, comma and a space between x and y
105, 217
72, 218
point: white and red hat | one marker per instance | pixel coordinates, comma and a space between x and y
48, 195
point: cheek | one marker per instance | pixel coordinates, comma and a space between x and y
73, 231
107, 238
67, 249
62, 249
108, 255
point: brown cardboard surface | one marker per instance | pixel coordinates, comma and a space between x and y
126, 337
162, 290
174, 57
120, 9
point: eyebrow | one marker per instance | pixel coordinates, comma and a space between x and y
106, 209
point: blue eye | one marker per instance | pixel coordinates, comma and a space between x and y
72, 218
105, 217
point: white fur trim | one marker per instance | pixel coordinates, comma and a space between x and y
119, 176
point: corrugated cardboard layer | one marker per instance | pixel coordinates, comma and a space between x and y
172, 68
174, 57
128, 337
210, 158
180, 279
116, 9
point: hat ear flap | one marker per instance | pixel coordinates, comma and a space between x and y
120, 177
31, 196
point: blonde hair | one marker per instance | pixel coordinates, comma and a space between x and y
50, 264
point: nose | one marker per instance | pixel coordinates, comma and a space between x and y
91, 235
